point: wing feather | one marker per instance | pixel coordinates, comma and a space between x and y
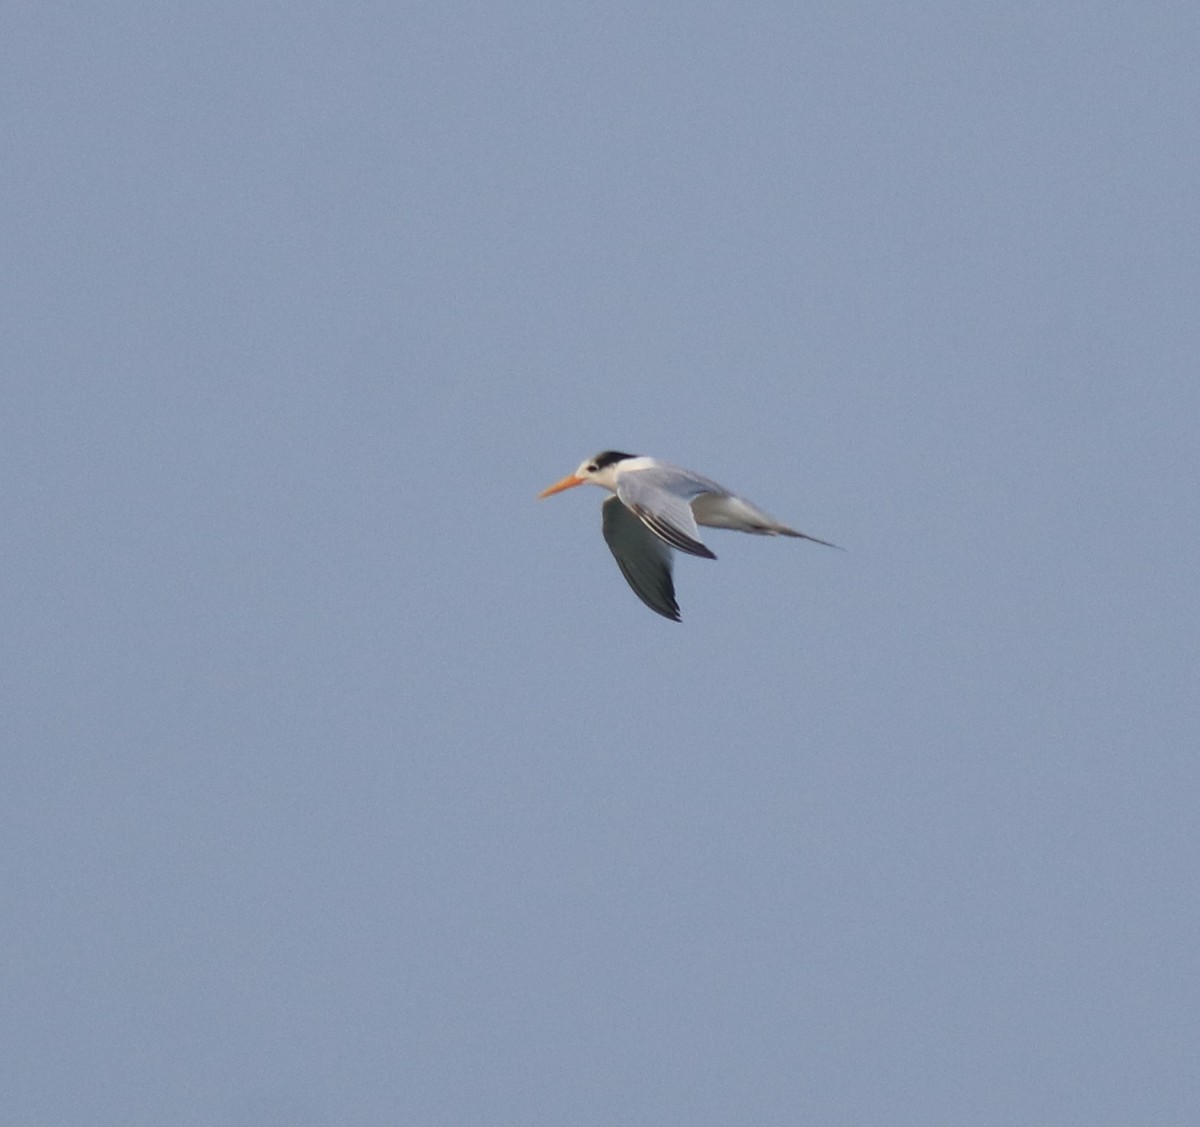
653, 497
644, 559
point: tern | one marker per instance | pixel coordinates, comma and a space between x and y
656, 507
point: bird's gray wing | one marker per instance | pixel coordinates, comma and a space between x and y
660, 498
644, 559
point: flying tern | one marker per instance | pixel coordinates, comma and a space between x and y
656, 507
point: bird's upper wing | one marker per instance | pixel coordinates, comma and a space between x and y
660, 497
644, 559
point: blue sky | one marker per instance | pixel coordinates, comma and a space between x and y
347, 784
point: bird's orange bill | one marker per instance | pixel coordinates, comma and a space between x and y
566, 483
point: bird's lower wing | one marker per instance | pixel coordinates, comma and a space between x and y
644, 559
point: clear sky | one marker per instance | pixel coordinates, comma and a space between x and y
346, 784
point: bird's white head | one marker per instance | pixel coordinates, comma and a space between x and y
601, 469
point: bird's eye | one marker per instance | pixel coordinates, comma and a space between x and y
591, 467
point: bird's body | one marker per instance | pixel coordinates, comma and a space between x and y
656, 507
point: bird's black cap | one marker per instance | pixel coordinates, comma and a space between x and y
608, 457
